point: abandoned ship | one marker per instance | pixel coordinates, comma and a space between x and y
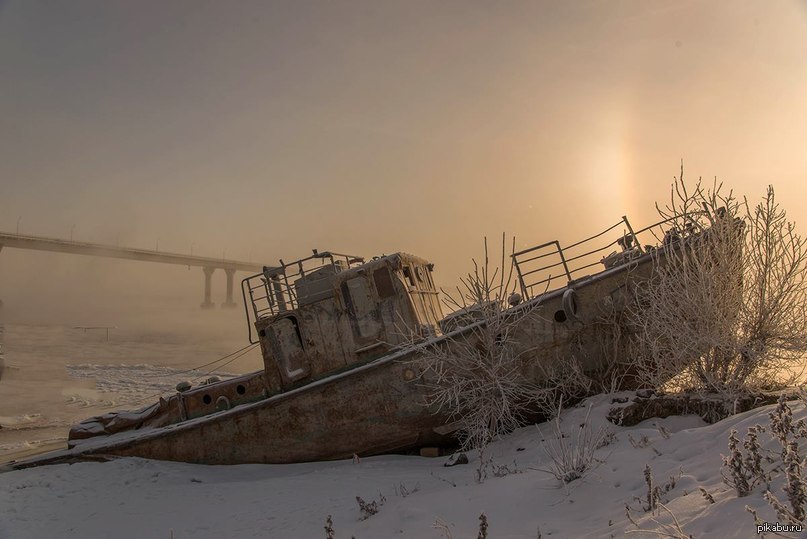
340, 378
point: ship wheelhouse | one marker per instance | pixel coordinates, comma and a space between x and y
329, 312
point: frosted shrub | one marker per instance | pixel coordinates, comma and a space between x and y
653, 504
483, 527
369, 509
655, 491
475, 377
726, 308
782, 426
787, 434
795, 483
743, 469
329, 533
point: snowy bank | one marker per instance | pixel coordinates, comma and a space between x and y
136, 498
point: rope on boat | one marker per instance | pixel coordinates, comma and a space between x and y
250, 346
243, 351
240, 352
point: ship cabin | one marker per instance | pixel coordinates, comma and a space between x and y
330, 312
312, 317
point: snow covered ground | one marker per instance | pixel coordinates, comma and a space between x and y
136, 498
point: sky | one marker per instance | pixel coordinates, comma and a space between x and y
261, 130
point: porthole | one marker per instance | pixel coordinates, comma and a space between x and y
207, 399
241, 389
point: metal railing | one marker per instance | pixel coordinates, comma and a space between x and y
550, 266
275, 289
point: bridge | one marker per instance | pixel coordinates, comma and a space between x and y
208, 265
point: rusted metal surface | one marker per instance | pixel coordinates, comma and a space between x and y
359, 319
333, 384
373, 411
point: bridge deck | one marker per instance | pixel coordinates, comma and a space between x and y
39, 243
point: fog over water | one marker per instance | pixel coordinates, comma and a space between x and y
260, 130
57, 375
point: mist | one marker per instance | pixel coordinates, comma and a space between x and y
259, 131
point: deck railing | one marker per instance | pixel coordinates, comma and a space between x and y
550, 266
274, 290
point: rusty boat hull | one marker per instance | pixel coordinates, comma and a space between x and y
373, 408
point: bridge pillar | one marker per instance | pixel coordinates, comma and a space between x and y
207, 304
229, 303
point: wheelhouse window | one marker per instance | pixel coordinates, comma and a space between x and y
383, 283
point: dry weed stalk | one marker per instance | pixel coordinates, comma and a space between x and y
443, 527
672, 530
573, 456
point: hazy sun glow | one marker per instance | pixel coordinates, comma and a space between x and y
266, 129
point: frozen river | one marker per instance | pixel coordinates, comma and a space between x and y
58, 375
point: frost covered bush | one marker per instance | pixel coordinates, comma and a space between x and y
369, 509
653, 503
655, 491
483, 527
475, 376
329, 532
745, 468
788, 434
725, 310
